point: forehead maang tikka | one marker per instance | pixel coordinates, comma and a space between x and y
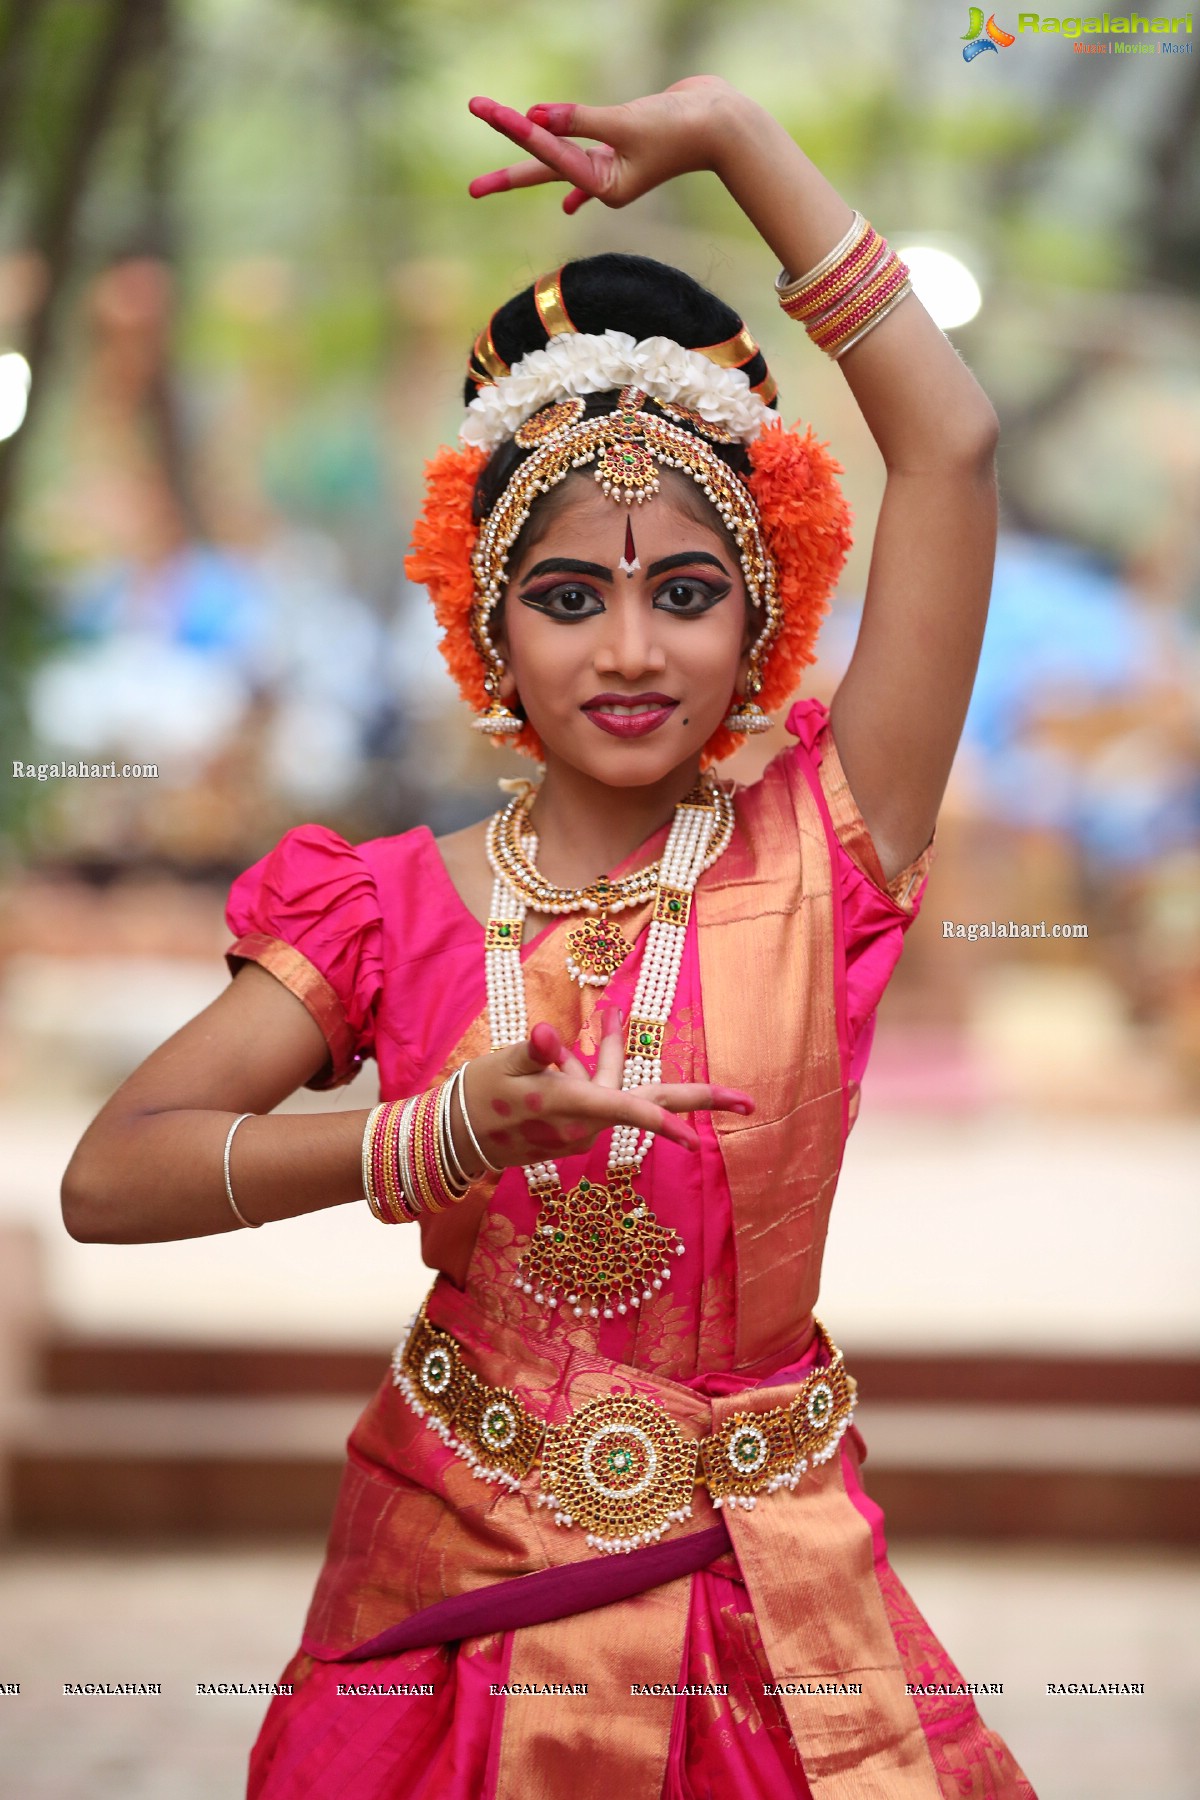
626, 449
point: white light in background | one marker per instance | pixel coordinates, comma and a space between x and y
943, 284
15, 378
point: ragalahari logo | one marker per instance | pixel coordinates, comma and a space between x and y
996, 37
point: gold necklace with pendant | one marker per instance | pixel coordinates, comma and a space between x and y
597, 946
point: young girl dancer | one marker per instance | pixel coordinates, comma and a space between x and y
601, 1530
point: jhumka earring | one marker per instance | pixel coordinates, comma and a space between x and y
746, 715
497, 721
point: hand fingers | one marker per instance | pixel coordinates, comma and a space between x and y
546, 1049
545, 1045
566, 158
577, 1112
649, 1117
611, 1059
698, 1096
575, 200
557, 118
517, 175
564, 119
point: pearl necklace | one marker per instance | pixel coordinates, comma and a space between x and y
599, 1246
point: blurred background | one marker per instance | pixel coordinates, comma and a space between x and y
239, 277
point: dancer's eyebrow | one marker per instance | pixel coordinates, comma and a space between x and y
685, 560
567, 565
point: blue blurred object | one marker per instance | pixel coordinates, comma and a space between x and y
201, 597
1062, 623
1065, 636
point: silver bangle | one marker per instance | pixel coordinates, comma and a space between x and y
406, 1172
496, 1168
449, 1151
456, 1175
239, 1216
787, 286
901, 293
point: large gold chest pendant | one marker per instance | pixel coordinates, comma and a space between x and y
597, 1247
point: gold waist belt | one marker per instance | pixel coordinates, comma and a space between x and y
620, 1468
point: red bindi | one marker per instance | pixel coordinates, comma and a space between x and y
629, 562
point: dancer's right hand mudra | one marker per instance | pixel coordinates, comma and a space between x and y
536, 1100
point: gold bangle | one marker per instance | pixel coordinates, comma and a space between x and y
393, 1187
429, 1199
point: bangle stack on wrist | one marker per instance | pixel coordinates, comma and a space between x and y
409, 1163
849, 291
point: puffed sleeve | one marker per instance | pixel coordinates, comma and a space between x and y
809, 721
309, 914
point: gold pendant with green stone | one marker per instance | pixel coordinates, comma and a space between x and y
596, 947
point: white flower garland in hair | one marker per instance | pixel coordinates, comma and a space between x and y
582, 363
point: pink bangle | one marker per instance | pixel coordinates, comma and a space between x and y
393, 1187
383, 1194
851, 290
856, 312
789, 287
436, 1171
834, 286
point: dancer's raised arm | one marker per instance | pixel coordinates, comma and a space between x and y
898, 713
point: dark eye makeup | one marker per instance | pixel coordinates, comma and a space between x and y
541, 591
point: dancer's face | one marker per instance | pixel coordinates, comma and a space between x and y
576, 625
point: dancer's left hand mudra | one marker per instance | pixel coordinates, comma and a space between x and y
642, 143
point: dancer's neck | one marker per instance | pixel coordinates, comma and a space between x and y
586, 828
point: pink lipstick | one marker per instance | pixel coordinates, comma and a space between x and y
630, 715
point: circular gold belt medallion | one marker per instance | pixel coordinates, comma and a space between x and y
622, 1469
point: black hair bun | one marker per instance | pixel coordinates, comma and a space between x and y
617, 292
